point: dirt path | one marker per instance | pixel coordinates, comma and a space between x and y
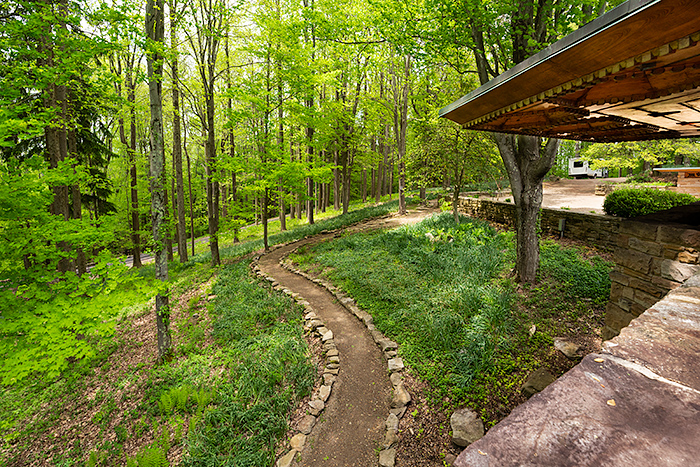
352, 425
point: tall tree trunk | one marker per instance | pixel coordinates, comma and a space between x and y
280, 145
155, 31
212, 184
527, 163
131, 152
232, 142
54, 99
364, 185
209, 18
76, 200
391, 178
386, 179
317, 198
264, 219
336, 182
346, 182
401, 86
310, 188
179, 193
130, 145
168, 231
189, 184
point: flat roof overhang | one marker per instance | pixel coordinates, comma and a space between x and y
631, 74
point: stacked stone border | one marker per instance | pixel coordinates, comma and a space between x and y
332, 368
652, 258
395, 366
401, 397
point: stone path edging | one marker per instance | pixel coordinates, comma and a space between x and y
395, 366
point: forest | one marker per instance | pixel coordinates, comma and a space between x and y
130, 129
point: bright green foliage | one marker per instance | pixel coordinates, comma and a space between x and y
49, 316
633, 202
184, 399
260, 331
151, 457
45, 326
637, 154
580, 278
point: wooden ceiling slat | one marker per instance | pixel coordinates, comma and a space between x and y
649, 81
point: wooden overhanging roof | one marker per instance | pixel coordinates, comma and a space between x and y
631, 74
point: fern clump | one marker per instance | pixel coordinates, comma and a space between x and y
178, 399
151, 457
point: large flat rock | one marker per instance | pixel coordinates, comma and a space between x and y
574, 422
665, 338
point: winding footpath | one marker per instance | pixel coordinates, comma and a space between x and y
357, 424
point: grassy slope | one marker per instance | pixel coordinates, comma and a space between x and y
440, 290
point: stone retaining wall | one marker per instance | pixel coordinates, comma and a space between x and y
654, 254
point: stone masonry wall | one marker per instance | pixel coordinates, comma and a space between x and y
654, 256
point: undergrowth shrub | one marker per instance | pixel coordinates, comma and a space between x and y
633, 202
153, 456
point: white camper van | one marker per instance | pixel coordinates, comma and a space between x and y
579, 168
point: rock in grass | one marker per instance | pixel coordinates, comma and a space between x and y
537, 381
286, 460
390, 439
297, 442
392, 422
329, 378
306, 424
466, 426
311, 315
387, 344
326, 336
401, 397
316, 406
571, 350
324, 392
395, 364
387, 458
